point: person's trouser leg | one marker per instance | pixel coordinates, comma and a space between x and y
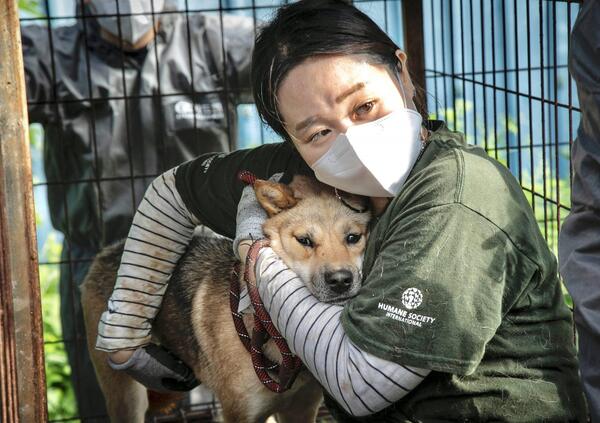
579, 242
90, 400
580, 266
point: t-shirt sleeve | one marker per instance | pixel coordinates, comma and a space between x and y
437, 290
210, 188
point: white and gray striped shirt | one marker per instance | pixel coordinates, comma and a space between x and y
360, 382
162, 228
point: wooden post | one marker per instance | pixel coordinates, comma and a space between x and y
22, 377
412, 13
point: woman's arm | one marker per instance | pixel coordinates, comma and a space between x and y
205, 190
360, 382
161, 230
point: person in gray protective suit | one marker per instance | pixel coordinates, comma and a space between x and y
579, 241
121, 100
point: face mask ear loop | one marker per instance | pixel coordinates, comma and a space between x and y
404, 96
401, 88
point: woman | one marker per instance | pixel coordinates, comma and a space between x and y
461, 315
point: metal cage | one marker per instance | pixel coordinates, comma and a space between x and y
493, 69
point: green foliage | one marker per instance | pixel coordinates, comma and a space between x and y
31, 7
36, 138
61, 398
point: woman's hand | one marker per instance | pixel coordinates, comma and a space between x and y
120, 357
249, 220
243, 248
154, 367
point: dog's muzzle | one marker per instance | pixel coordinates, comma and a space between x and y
336, 285
339, 281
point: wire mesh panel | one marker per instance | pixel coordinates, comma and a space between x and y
497, 71
107, 119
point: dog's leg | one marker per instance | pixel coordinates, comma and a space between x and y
305, 406
126, 400
306, 414
232, 417
244, 399
232, 413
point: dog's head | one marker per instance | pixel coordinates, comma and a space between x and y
318, 235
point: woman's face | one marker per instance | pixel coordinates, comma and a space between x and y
324, 96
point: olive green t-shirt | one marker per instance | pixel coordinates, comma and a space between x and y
458, 279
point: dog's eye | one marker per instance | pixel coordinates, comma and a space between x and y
304, 240
353, 238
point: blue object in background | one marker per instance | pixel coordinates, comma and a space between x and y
489, 62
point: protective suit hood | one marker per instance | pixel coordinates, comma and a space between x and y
129, 20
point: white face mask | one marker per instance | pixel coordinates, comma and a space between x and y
132, 27
375, 158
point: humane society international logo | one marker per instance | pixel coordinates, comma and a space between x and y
411, 299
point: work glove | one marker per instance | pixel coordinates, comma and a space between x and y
158, 369
250, 217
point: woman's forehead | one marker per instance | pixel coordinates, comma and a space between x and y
323, 81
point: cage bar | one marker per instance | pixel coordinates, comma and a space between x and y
412, 11
458, 50
23, 392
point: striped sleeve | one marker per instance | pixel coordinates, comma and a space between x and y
161, 230
360, 382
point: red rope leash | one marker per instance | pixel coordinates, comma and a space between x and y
263, 326
246, 176
238, 321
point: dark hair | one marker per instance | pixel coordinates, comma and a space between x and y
306, 29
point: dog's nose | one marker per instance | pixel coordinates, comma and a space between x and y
339, 281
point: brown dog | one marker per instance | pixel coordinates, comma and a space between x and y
316, 234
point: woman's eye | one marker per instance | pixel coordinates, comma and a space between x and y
304, 240
365, 108
353, 238
318, 135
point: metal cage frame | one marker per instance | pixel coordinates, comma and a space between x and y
440, 40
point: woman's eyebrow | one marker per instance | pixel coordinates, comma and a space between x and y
351, 90
310, 120
305, 123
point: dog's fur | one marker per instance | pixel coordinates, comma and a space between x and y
195, 320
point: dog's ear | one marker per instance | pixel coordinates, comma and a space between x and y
273, 196
305, 186
356, 202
